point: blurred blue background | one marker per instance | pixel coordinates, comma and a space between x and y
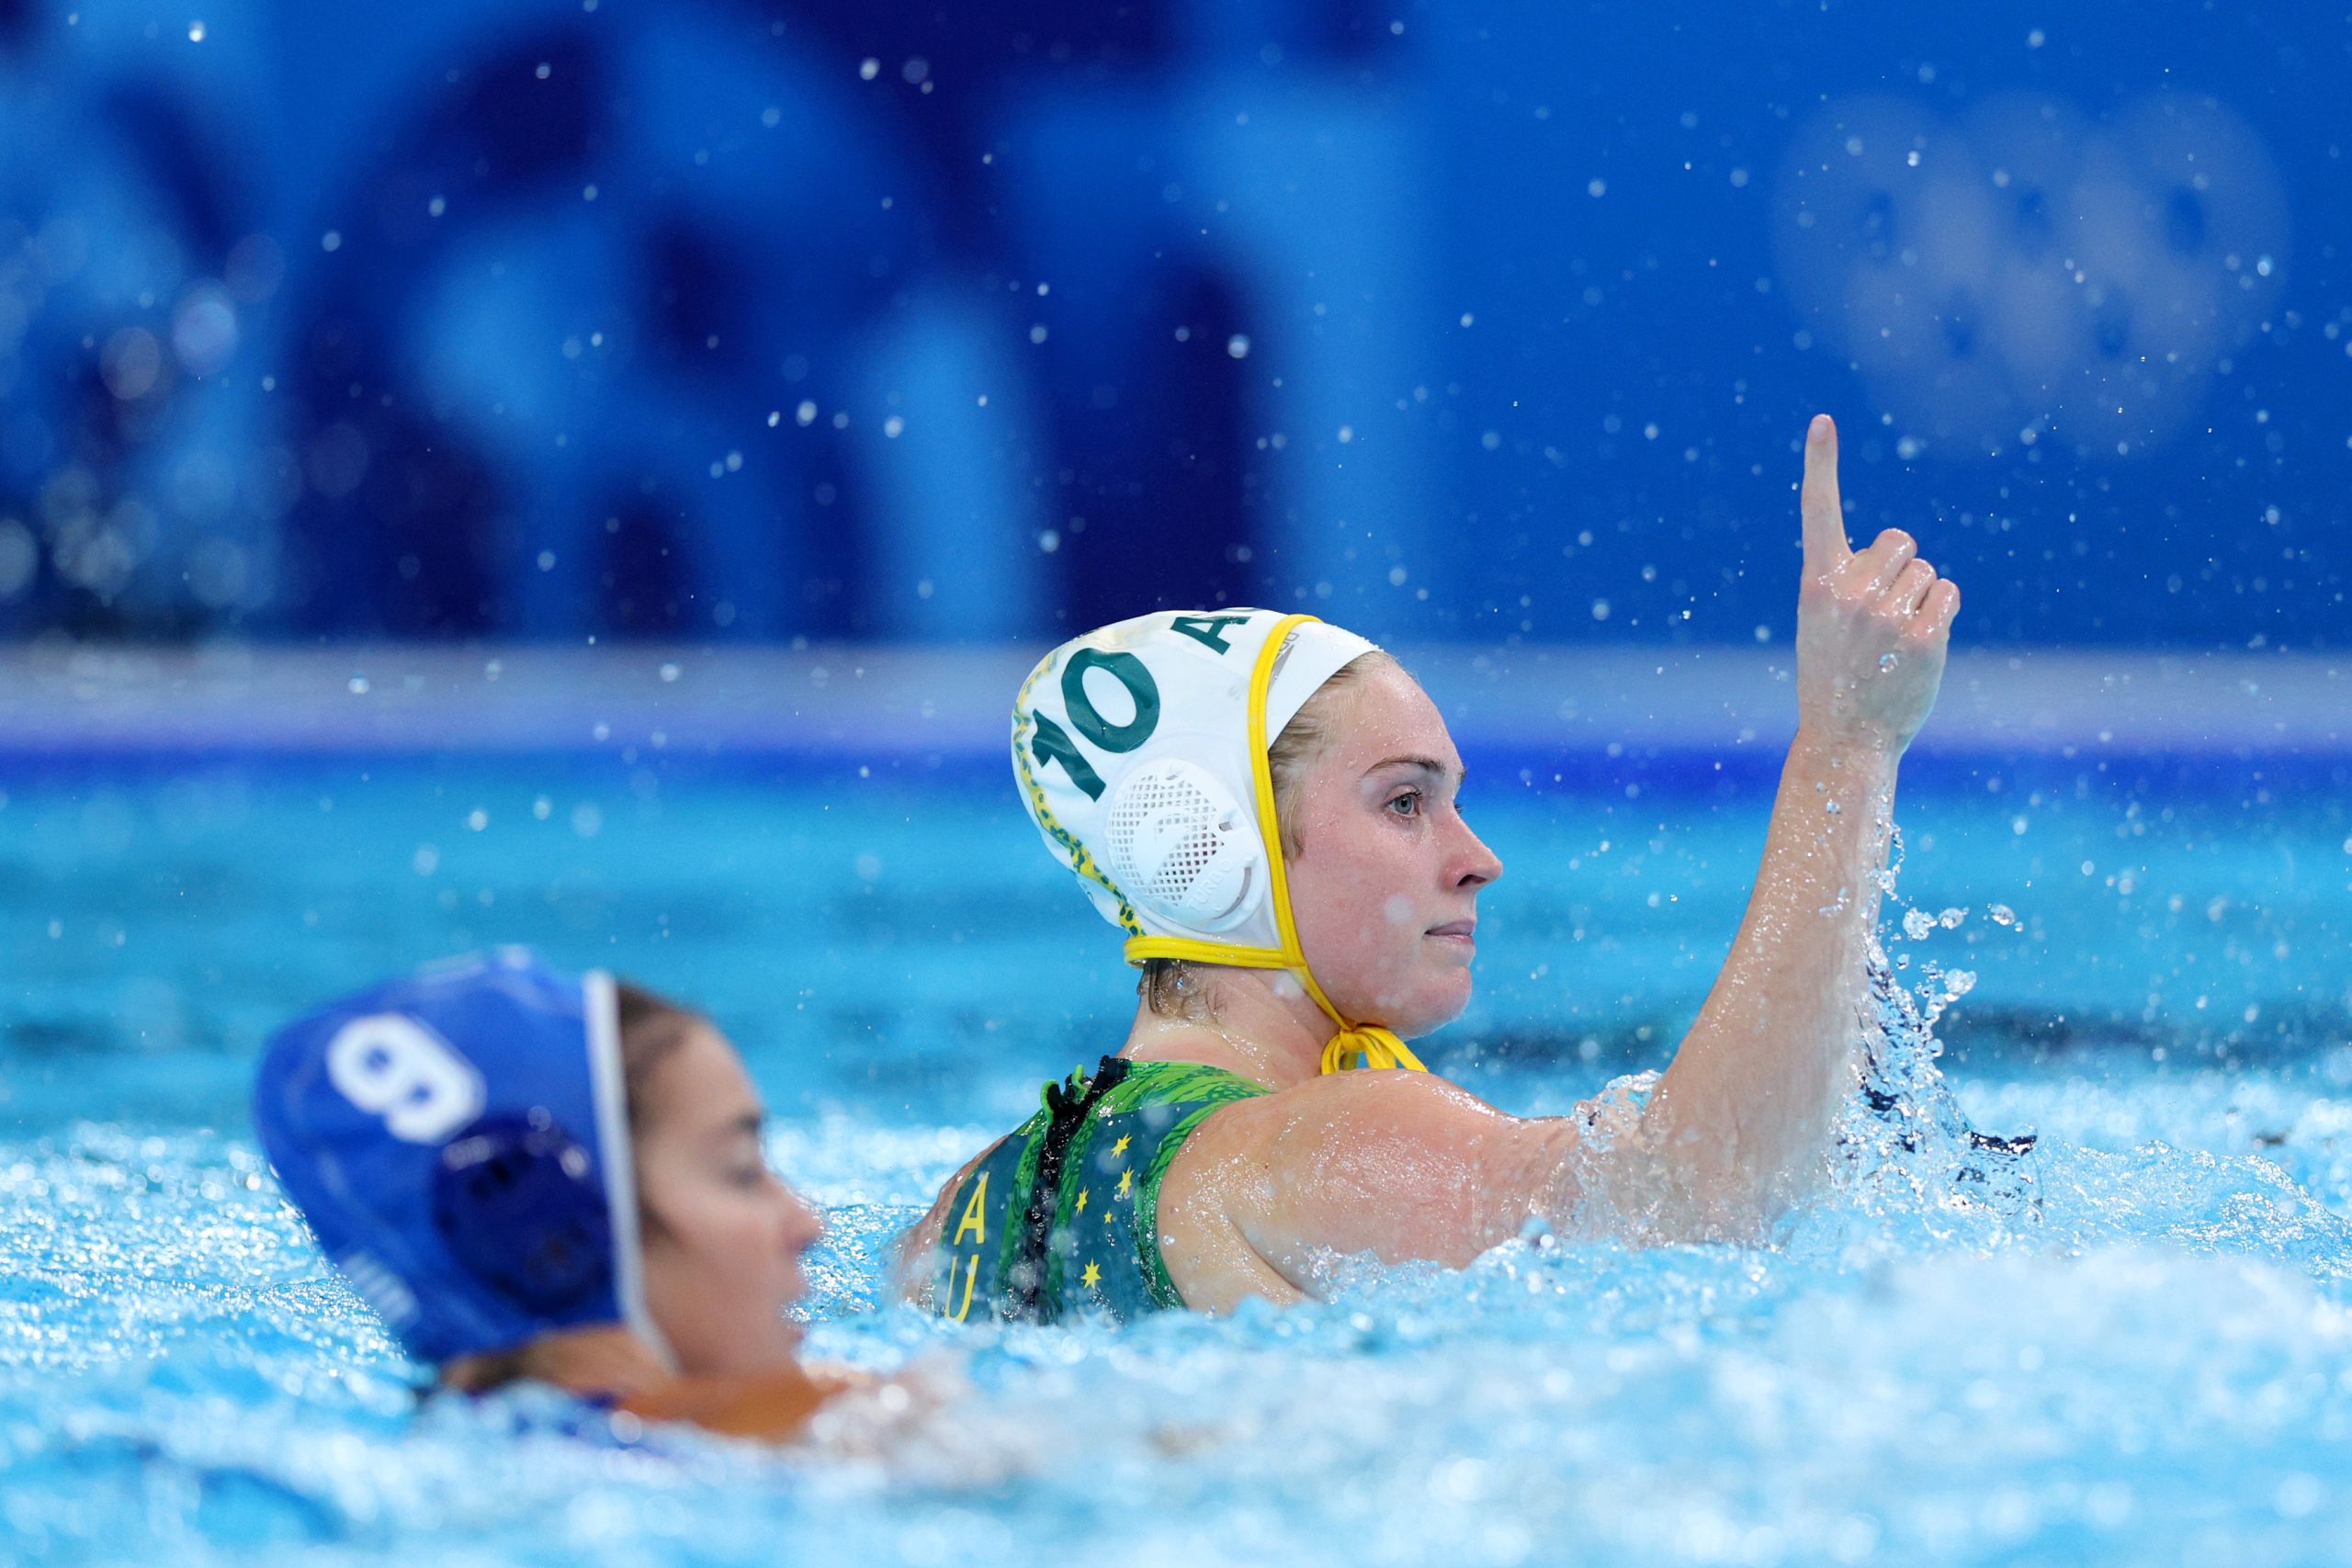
710, 321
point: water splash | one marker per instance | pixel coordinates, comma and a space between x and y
1915, 1178
1911, 1165
1910, 1157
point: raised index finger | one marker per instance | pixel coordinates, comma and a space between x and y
1824, 518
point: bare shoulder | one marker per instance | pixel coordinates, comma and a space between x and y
1393, 1101
1400, 1165
1371, 1132
911, 1271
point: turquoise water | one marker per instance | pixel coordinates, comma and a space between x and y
2139, 1350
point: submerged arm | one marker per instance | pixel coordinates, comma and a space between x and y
1739, 1127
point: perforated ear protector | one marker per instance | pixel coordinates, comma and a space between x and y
1141, 752
1179, 844
520, 1202
458, 1141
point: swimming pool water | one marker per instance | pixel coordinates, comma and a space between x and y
2144, 1358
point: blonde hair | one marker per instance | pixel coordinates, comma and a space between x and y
1172, 987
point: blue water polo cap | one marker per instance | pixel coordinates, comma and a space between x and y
458, 1141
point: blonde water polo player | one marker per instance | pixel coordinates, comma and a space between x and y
1268, 807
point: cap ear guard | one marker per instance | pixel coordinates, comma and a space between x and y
1167, 817
520, 1202
1179, 844
458, 1142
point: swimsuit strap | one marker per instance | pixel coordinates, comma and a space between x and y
1068, 1107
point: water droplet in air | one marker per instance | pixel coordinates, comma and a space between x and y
359, 685
2003, 915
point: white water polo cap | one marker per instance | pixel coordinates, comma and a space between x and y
1140, 750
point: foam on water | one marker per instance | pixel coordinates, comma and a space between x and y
2160, 1363
2160, 1370
2149, 1360
2132, 1343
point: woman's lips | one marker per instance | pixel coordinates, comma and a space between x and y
1455, 931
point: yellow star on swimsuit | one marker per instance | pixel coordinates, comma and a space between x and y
1121, 1146
1082, 1199
1126, 1179
1093, 1276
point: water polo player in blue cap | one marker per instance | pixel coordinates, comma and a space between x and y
532, 1175
1266, 806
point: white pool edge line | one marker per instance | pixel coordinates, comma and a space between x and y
885, 702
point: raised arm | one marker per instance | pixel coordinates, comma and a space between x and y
1405, 1167
1739, 1126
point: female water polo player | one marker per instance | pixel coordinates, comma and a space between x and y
540, 1176
1267, 806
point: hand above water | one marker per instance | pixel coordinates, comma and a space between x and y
1872, 626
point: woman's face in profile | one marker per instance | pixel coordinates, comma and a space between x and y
1385, 884
722, 1237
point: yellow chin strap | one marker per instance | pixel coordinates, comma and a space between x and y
1366, 1045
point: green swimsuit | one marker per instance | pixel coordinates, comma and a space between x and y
1061, 1217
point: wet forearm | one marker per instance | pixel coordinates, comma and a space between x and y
1741, 1121
1739, 1126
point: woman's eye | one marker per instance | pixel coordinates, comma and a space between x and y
1407, 803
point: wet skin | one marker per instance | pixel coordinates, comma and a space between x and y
722, 1237
1384, 875
722, 1243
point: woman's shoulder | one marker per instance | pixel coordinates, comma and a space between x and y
910, 1270
1163, 1081
1360, 1103
773, 1405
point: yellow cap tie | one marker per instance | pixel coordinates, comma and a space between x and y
1355, 1045
1376, 1046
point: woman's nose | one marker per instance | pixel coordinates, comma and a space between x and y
1479, 864
802, 1228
